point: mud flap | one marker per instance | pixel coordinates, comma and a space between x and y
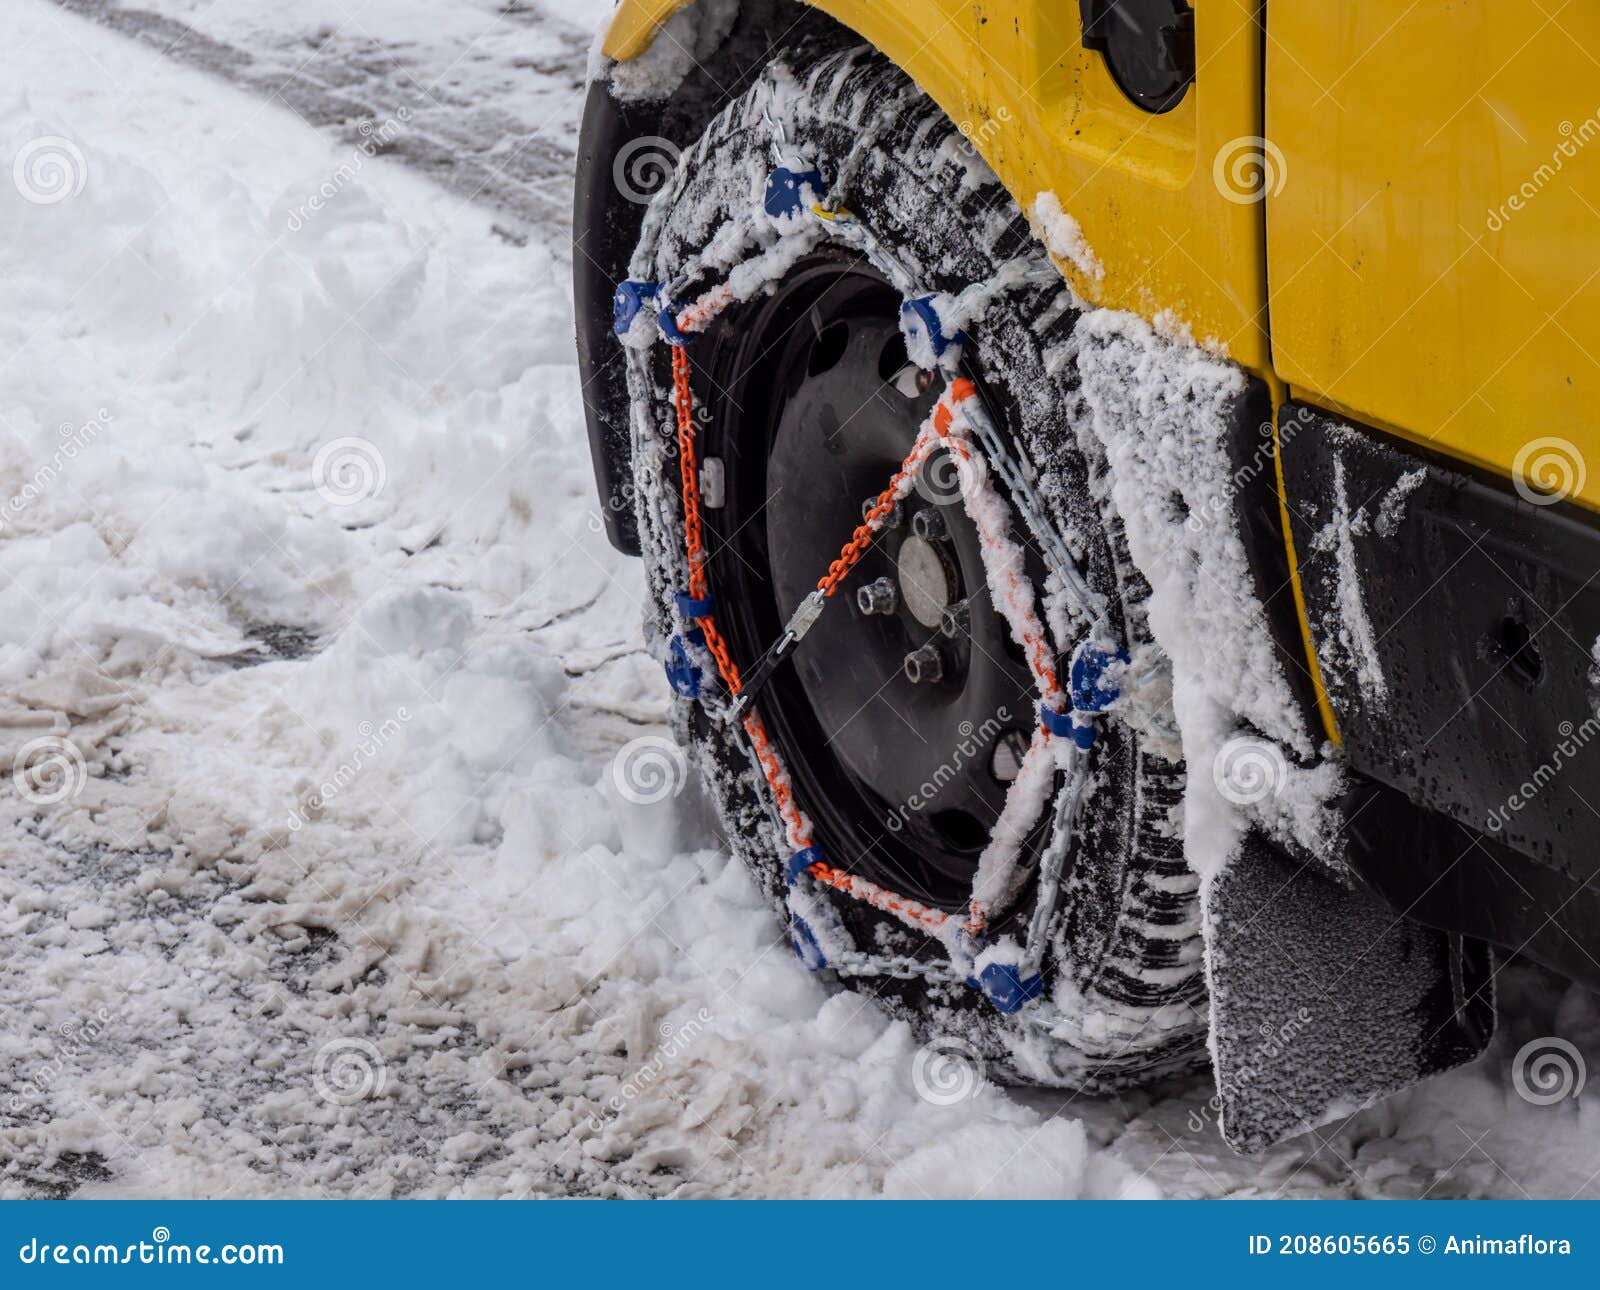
1324, 1000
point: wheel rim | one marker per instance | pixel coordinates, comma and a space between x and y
813, 409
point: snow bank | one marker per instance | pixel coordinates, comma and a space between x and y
1159, 411
376, 874
1063, 236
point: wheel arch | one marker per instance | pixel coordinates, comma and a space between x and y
1047, 117
606, 228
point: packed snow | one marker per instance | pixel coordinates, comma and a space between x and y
1063, 236
348, 853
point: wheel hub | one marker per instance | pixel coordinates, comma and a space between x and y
904, 708
927, 580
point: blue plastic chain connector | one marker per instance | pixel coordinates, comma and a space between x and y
1007, 987
919, 318
691, 608
804, 942
1057, 723
683, 673
784, 190
1078, 727
629, 301
1087, 678
669, 326
799, 862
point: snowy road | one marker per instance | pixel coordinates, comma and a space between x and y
489, 90
329, 867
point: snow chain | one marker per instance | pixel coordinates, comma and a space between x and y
1010, 976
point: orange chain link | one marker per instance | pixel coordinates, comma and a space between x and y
796, 826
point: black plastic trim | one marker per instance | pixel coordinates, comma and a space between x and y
1481, 610
1259, 520
606, 222
605, 230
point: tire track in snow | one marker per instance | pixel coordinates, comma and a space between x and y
517, 158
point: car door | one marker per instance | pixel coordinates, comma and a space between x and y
1433, 246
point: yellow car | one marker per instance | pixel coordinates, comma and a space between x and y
1112, 479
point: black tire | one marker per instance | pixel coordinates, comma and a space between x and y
1124, 981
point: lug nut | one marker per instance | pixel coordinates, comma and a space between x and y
929, 525
1005, 762
891, 520
955, 620
878, 597
925, 665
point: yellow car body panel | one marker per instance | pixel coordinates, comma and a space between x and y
1166, 203
1046, 115
1432, 252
